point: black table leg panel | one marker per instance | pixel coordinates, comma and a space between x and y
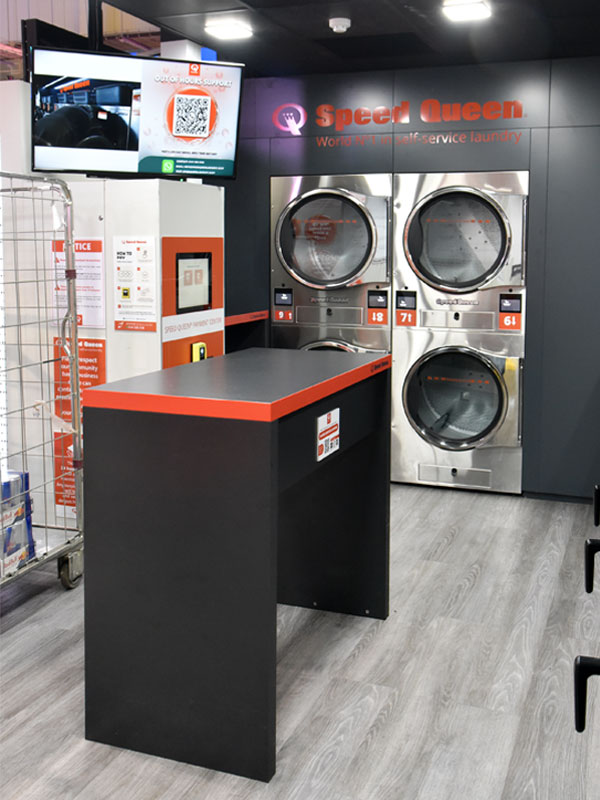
334, 521
180, 589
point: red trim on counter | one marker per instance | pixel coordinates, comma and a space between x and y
287, 405
171, 404
232, 409
253, 316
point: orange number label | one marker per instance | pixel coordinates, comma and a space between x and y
408, 317
510, 322
378, 316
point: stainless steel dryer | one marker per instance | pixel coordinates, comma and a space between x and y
457, 409
330, 262
459, 239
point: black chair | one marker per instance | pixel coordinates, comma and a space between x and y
585, 666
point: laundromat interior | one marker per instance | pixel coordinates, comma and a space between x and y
300, 400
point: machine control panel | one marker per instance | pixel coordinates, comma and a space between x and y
377, 303
510, 308
283, 300
406, 308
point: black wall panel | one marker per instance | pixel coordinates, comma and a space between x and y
575, 92
569, 391
247, 230
248, 110
533, 433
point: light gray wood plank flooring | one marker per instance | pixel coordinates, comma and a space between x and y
464, 692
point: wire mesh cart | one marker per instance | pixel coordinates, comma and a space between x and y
40, 415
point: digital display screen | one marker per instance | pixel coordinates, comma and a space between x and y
377, 300
99, 113
194, 282
283, 297
510, 303
406, 300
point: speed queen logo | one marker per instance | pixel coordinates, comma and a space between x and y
289, 118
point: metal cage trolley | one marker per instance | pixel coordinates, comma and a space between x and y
40, 415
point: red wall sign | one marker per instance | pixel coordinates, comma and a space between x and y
92, 372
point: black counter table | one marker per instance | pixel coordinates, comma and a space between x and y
205, 505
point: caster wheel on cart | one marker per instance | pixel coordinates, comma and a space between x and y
69, 572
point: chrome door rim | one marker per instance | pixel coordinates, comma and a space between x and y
424, 432
482, 196
344, 193
334, 344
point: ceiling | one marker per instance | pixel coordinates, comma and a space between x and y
292, 37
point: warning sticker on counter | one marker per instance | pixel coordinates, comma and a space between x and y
328, 434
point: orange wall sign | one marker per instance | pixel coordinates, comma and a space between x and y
92, 372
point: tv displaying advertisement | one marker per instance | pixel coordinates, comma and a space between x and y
101, 113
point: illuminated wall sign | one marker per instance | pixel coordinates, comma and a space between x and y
431, 110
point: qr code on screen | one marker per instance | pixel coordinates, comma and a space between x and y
191, 115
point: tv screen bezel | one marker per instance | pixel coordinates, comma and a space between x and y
130, 174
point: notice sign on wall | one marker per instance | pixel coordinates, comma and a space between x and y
134, 260
89, 264
328, 434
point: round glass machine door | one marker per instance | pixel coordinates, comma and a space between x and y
326, 238
455, 398
457, 239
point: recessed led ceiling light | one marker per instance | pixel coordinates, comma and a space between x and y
228, 29
466, 10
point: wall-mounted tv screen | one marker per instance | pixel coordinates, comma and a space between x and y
101, 113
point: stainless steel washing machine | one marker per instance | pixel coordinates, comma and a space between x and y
330, 261
456, 400
459, 241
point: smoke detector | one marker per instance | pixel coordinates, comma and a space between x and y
339, 24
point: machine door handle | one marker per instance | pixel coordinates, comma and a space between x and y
584, 667
592, 546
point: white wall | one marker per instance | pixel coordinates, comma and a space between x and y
69, 14
15, 126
